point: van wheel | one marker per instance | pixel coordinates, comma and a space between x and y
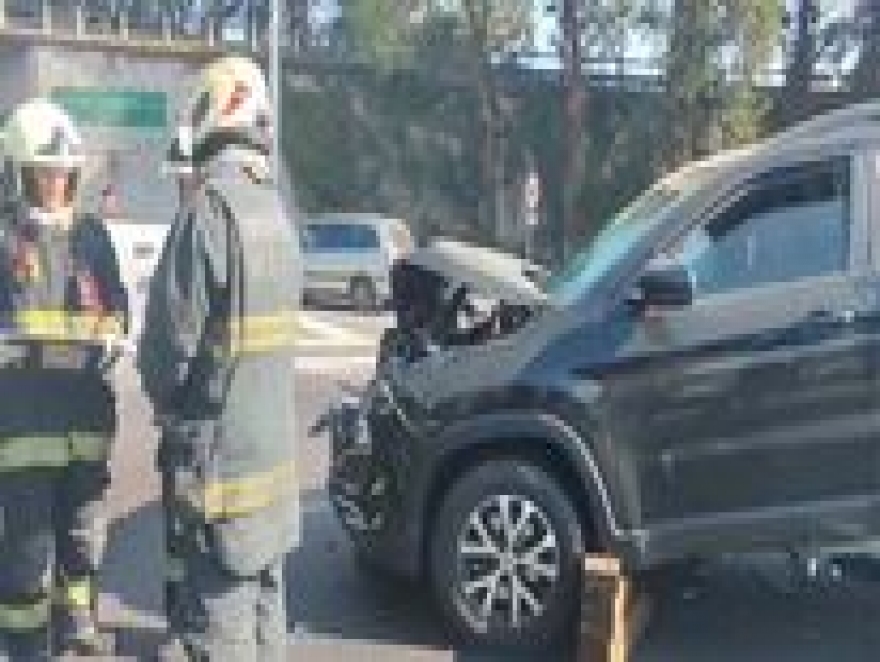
506, 555
362, 294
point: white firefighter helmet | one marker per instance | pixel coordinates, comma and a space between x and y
231, 95
40, 133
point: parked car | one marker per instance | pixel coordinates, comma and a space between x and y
348, 257
701, 379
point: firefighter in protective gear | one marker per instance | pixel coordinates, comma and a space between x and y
216, 359
62, 304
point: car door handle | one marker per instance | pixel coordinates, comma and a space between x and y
847, 316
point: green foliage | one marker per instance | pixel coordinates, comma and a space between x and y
395, 144
405, 131
383, 30
754, 29
409, 33
406, 146
719, 50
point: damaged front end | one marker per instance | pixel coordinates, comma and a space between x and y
446, 297
451, 294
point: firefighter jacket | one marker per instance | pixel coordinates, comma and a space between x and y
62, 303
217, 360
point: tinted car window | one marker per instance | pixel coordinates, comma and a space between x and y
362, 237
340, 238
788, 225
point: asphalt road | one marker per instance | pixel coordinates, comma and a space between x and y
727, 613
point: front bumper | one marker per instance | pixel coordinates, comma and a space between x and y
367, 469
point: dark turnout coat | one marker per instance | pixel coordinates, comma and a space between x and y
217, 360
61, 300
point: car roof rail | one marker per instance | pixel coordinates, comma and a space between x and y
835, 120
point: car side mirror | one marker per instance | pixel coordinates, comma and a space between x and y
668, 286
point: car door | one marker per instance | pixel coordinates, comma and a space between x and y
870, 287
756, 412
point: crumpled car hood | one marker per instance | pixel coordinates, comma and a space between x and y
489, 272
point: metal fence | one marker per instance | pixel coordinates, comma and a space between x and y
243, 25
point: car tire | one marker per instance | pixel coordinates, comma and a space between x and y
544, 526
362, 294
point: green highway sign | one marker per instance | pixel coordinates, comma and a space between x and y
126, 108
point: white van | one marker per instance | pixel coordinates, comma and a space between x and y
348, 257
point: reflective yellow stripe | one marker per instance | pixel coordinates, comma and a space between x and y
25, 617
89, 447
62, 325
25, 452
264, 333
78, 594
243, 496
34, 452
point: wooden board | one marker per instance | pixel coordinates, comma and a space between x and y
614, 614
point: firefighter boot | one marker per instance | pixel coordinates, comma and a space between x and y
77, 628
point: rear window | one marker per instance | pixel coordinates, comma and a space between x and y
347, 238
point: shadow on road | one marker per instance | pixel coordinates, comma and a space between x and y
132, 582
133, 563
331, 601
732, 614
338, 610
138, 643
331, 597
725, 612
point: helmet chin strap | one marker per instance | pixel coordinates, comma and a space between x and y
217, 142
61, 218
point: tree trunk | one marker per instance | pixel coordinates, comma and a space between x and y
477, 12
801, 67
678, 69
691, 80
574, 136
298, 14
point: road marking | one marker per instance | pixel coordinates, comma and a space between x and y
323, 343
322, 338
325, 333
333, 363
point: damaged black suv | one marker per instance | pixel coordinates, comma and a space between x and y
704, 378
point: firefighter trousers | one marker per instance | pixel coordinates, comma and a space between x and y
27, 558
218, 617
80, 537
215, 615
51, 537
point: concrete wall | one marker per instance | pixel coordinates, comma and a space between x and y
129, 158
18, 75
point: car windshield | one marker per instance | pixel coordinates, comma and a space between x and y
620, 236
